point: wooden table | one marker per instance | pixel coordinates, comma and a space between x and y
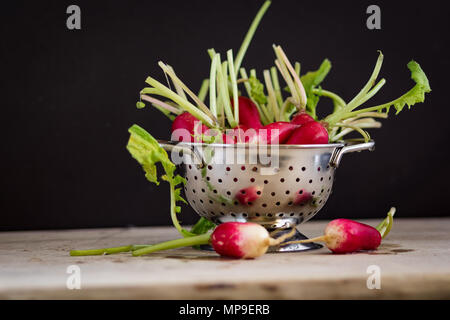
414, 262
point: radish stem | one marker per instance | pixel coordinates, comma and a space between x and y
249, 35
203, 90
233, 85
173, 244
320, 239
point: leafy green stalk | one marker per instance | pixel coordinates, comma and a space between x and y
203, 90
276, 85
297, 81
272, 98
173, 244
413, 96
183, 103
212, 85
249, 35
181, 85
107, 251
234, 88
147, 151
223, 93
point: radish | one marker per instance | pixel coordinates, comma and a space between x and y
183, 127
276, 132
301, 118
248, 195
242, 240
346, 236
309, 133
302, 197
248, 113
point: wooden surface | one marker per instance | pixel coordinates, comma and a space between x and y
414, 262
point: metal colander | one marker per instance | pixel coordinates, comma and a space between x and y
287, 186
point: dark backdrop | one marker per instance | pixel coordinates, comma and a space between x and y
68, 97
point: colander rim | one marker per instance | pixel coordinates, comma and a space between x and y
246, 146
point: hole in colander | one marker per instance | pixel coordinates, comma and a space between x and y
278, 203
190, 167
201, 201
303, 168
291, 168
252, 180
210, 201
208, 178
212, 212
300, 192
243, 191
220, 180
282, 180
236, 203
249, 203
193, 201
235, 179
244, 215
321, 179
233, 215
318, 168
287, 191
257, 214
221, 213
320, 201
203, 190
273, 194
290, 203
298, 179
243, 168
313, 193
258, 192
223, 204
215, 191
193, 190
281, 214
210, 167
269, 214
254, 169
264, 205
195, 177
329, 178
229, 193
266, 182
292, 214
310, 180
228, 169
321, 191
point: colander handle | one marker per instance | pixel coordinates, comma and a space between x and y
172, 146
336, 158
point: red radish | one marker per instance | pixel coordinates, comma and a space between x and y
248, 113
302, 197
248, 195
346, 236
183, 127
243, 240
301, 118
276, 132
309, 133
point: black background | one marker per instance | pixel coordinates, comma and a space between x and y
68, 98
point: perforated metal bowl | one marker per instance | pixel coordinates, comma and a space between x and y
293, 182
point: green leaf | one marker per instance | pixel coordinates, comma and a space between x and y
257, 90
311, 80
147, 151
